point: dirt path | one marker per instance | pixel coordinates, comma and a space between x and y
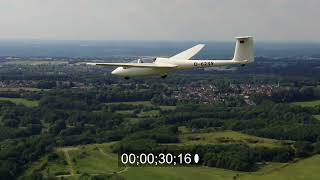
71, 168
106, 154
123, 170
69, 161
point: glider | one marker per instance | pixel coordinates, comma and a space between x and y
243, 54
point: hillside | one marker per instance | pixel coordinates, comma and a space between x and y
97, 159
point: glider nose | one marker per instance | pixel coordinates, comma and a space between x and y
117, 71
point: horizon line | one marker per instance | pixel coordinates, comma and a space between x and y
157, 40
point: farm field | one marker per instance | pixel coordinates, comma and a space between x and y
317, 116
19, 89
146, 104
305, 169
21, 101
143, 103
227, 137
98, 159
308, 103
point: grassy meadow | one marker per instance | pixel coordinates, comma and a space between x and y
227, 137
21, 101
307, 103
98, 159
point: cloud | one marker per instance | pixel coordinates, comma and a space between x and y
160, 19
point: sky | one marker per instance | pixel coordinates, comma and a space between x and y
205, 20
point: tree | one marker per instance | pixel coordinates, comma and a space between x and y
34, 176
11, 123
58, 126
303, 148
5, 174
317, 147
35, 128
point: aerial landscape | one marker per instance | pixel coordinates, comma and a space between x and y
62, 118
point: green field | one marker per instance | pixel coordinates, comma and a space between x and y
146, 104
227, 137
307, 103
143, 103
142, 114
98, 159
21, 101
152, 113
19, 89
91, 159
305, 169
94, 160
317, 116
167, 107
125, 112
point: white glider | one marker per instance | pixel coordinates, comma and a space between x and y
243, 54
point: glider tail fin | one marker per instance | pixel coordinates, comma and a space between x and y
244, 50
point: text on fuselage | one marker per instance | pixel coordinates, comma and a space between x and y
204, 63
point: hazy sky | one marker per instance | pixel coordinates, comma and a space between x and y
276, 20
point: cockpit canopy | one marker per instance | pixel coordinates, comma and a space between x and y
144, 60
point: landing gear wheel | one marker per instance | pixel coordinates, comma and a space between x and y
242, 65
164, 76
126, 78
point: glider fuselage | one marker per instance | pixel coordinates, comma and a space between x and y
180, 65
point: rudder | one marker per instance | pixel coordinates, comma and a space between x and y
244, 50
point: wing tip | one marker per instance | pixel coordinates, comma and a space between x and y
91, 64
189, 53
